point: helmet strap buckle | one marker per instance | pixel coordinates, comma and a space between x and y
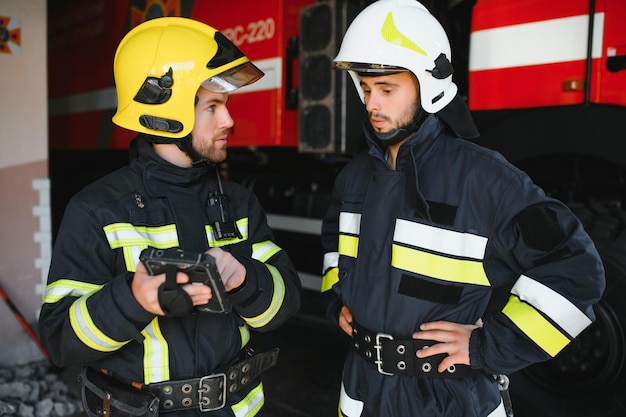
443, 67
156, 90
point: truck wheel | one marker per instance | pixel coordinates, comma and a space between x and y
588, 378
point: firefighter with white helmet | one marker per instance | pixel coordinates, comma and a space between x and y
375, 44
151, 344
444, 263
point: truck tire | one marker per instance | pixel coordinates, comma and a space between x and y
588, 378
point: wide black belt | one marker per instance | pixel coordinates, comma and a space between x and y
397, 357
211, 392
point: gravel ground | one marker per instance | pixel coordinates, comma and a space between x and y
37, 390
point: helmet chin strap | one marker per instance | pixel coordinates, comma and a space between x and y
398, 135
184, 144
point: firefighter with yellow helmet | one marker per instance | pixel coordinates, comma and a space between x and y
149, 342
444, 263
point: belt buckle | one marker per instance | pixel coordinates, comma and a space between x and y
379, 347
204, 401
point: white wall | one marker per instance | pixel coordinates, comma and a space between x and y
25, 232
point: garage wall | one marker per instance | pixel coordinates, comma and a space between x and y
25, 237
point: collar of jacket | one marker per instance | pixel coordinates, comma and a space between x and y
420, 140
156, 170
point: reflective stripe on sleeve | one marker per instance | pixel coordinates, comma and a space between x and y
331, 260
552, 304
330, 278
276, 302
251, 404
349, 229
535, 326
156, 366
244, 333
62, 288
348, 245
330, 270
349, 223
86, 330
263, 251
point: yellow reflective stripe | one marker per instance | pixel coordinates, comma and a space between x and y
329, 279
251, 404
87, 331
437, 266
263, 251
66, 287
277, 300
156, 367
349, 223
131, 254
127, 234
435, 239
242, 225
133, 239
552, 304
391, 34
535, 326
244, 332
348, 246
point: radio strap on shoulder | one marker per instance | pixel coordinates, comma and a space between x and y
219, 213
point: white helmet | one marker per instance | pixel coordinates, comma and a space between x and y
399, 35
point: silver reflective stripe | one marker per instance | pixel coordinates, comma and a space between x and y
331, 260
263, 251
552, 304
251, 404
440, 240
62, 288
277, 301
132, 239
156, 366
86, 330
499, 411
126, 234
349, 223
349, 407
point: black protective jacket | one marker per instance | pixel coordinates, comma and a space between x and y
436, 239
89, 314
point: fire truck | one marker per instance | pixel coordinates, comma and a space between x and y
545, 81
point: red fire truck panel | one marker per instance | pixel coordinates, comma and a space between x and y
519, 48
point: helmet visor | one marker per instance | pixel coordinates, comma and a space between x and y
234, 78
369, 69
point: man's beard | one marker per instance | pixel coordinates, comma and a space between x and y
209, 151
403, 121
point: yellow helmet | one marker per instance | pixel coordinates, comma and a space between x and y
159, 66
